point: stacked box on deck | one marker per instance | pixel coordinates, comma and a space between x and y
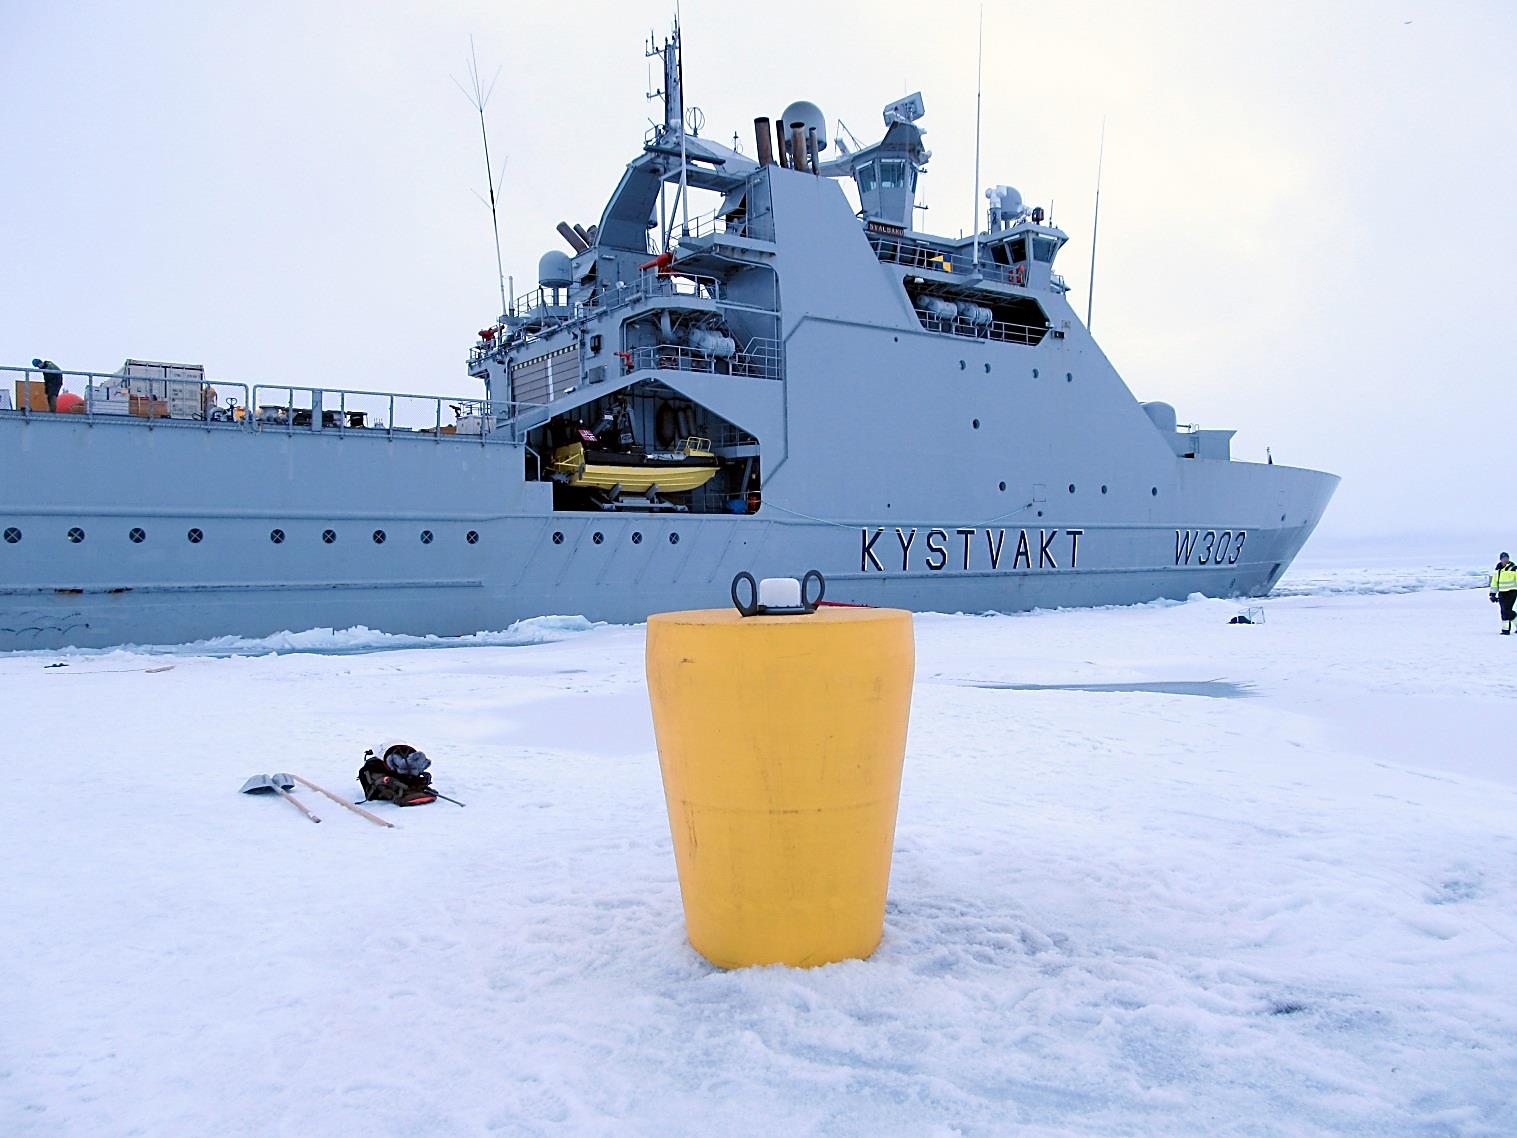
158, 389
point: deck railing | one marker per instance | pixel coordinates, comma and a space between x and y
111, 395
288, 408
761, 358
998, 330
650, 282
915, 254
757, 226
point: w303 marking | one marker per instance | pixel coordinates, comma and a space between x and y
1209, 546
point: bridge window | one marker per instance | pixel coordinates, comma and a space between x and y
1043, 249
865, 176
893, 174
1019, 250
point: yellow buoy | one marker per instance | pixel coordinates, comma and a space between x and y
781, 741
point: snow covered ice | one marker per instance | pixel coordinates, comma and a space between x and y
1281, 900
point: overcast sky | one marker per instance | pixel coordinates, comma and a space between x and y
1307, 227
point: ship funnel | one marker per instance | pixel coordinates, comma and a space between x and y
577, 243
761, 138
780, 144
797, 145
809, 115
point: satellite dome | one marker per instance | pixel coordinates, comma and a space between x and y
1005, 198
1162, 415
809, 115
554, 270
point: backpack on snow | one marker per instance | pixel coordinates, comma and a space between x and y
399, 775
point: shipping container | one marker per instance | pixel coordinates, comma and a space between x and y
177, 385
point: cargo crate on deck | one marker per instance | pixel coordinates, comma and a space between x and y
38, 394
146, 407
177, 386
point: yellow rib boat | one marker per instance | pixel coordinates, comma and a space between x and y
672, 472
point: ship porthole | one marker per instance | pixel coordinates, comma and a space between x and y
12, 535
975, 424
1071, 487
1154, 491
1069, 377
987, 369
962, 365
1003, 487
472, 537
426, 537
194, 537
558, 537
597, 537
137, 535
276, 536
328, 536
637, 538
1103, 489
76, 535
674, 539
1035, 373
1282, 517
379, 537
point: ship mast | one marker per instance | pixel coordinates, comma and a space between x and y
978, 72
1095, 222
478, 98
679, 120
672, 57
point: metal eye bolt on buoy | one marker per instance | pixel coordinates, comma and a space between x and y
781, 732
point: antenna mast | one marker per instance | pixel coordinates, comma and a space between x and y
679, 102
1095, 222
672, 58
978, 70
478, 99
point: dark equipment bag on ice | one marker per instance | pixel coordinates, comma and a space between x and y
399, 775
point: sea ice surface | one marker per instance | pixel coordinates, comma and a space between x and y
1115, 909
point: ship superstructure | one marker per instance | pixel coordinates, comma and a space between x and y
792, 378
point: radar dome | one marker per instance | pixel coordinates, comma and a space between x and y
1162, 416
554, 270
1005, 198
809, 115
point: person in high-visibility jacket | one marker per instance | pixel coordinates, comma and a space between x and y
1504, 589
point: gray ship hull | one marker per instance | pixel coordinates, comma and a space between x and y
1228, 531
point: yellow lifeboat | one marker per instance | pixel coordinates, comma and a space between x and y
666, 472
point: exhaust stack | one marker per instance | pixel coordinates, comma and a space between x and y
761, 137
576, 242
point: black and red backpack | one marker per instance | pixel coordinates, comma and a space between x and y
397, 774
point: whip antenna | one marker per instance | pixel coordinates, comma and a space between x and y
978, 70
1090, 292
684, 160
478, 98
